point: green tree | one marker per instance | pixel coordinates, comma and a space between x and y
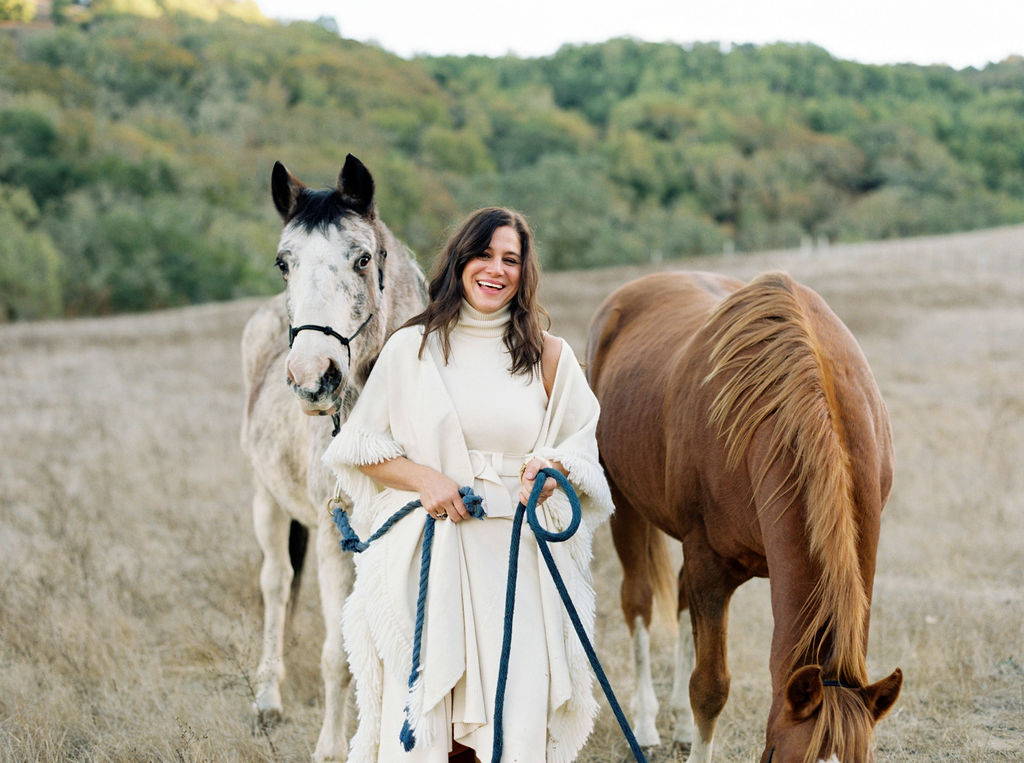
144, 146
17, 10
30, 265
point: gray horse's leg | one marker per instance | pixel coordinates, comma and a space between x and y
272, 526
335, 572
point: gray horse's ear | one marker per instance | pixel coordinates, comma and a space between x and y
285, 189
355, 184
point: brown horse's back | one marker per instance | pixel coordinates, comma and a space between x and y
649, 353
648, 346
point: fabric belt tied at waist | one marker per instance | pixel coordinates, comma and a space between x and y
489, 467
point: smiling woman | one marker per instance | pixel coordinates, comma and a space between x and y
470, 392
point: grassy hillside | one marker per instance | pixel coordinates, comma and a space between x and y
135, 152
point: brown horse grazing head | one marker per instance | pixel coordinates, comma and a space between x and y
823, 721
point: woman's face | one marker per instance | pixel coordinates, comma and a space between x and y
491, 278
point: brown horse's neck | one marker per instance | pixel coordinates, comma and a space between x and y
778, 409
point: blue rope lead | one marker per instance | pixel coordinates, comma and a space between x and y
405, 736
543, 536
350, 542
474, 504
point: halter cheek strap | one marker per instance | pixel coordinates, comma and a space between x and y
294, 330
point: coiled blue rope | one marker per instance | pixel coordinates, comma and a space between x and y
543, 537
474, 504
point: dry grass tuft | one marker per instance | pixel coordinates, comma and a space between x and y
129, 605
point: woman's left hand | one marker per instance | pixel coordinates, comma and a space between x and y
533, 466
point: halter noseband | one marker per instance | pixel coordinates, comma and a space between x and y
294, 330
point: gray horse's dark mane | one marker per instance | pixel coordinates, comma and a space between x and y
320, 209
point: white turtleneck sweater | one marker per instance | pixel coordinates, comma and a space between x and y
501, 414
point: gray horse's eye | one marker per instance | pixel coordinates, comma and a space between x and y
363, 262
282, 266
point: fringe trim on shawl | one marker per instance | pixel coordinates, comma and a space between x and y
422, 726
588, 477
363, 625
366, 666
360, 447
370, 633
353, 448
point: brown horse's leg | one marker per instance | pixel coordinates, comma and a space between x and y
631, 533
682, 726
709, 585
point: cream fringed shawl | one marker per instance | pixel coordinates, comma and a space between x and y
405, 409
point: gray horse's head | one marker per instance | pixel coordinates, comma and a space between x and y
331, 254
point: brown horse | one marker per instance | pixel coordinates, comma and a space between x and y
744, 421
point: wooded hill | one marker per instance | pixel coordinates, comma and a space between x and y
135, 154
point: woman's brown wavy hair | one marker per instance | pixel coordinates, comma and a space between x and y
524, 336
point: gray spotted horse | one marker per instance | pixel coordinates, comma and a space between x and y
306, 354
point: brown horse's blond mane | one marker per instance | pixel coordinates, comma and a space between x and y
767, 358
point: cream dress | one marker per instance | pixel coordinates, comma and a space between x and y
475, 422
501, 416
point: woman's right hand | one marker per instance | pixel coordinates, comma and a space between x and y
438, 494
440, 497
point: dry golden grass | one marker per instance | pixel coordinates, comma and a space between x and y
129, 604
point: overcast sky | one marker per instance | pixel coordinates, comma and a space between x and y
959, 33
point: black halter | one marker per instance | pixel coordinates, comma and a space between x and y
293, 331
837, 682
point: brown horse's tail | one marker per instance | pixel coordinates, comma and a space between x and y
663, 579
767, 358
